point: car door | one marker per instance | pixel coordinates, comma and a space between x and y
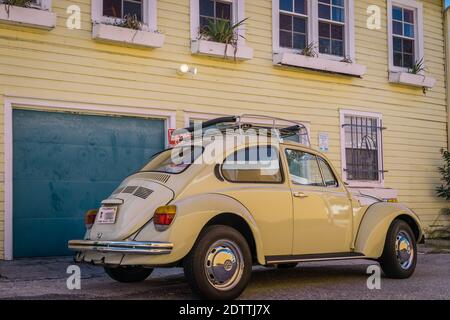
322, 209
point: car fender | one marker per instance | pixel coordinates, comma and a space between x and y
193, 213
375, 224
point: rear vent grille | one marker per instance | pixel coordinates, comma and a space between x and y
161, 177
118, 190
130, 189
143, 193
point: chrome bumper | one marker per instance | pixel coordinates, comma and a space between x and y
131, 247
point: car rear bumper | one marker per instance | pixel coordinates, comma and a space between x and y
125, 247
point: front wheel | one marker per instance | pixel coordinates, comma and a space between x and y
128, 274
219, 265
400, 251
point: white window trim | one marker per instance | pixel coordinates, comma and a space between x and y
238, 14
356, 183
149, 14
43, 4
417, 7
313, 29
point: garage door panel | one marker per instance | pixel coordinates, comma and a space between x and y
46, 199
65, 164
45, 243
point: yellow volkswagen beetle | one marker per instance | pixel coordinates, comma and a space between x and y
240, 196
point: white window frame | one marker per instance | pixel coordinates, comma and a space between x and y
357, 183
238, 14
417, 7
149, 17
313, 29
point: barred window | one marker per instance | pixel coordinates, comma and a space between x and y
363, 148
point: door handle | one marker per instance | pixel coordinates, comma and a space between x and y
299, 194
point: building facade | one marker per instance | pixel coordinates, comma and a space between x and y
85, 102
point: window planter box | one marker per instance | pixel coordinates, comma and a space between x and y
415, 80
29, 17
110, 33
319, 64
217, 49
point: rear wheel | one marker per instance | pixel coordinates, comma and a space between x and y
219, 265
400, 251
129, 274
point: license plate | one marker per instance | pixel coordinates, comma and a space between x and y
107, 215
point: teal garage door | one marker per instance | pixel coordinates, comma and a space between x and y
65, 164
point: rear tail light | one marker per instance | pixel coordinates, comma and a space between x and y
89, 218
163, 217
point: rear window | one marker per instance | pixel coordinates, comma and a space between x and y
259, 164
174, 160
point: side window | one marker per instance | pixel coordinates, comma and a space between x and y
304, 168
327, 173
259, 164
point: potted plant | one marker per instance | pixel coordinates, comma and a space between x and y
25, 13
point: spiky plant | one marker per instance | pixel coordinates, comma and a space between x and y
16, 3
222, 31
310, 50
418, 67
130, 22
443, 191
347, 59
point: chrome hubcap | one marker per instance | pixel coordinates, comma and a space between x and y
404, 250
224, 264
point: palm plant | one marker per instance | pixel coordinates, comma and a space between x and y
130, 22
222, 31
310, 50
418, 67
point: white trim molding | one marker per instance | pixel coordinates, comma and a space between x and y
319, 64
58, 106
313, 33
356, 183
414, 80
217, 49
114, 34
36, 16
149, 18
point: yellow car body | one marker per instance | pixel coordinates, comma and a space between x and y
283, 222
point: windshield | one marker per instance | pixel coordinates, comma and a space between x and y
174, 160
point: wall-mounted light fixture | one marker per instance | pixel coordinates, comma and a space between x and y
185, 69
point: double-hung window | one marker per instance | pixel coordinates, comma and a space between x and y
405, 32
361, 143
326, 25
113, 10
332, 27
212, 10
121, 8
293, 24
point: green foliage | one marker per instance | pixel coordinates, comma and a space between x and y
418, 67
17, 3
130, 22
222, 31
443, 191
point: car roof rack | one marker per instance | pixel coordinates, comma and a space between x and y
243, 123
